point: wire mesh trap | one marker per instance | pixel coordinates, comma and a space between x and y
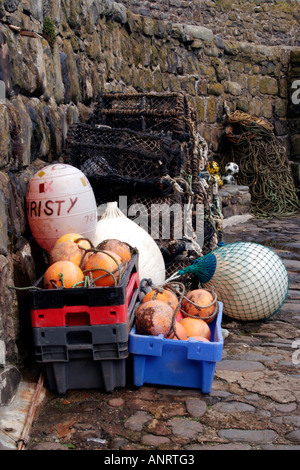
105, 155
146, 112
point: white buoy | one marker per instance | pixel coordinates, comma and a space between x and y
60, 200
114, 224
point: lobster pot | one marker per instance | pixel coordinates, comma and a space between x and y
146, 112
122, 159
250, 279
60, 200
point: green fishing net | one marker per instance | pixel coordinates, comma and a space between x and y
249, 279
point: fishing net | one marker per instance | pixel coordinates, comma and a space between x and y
248, 278
263, 165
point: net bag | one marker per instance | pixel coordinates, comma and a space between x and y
248, 278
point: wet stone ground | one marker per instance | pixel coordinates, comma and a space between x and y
255, 397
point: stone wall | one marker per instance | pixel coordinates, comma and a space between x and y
52, 80
269, 22
293, 113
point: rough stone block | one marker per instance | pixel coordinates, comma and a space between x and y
9, 381
234, 88
235, 200
198, 32
2, 353
268, 86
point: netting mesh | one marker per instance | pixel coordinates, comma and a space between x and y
250, 279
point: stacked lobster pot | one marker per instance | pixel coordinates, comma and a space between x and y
143, 150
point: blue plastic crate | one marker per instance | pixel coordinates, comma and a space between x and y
190, 364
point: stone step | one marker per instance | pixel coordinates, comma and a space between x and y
292, 265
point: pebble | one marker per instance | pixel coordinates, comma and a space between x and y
116, 402
195, 407
292, 420
285, 408
137, 421
155, 441
183, 427
293, 436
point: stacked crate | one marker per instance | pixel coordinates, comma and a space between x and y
81, 334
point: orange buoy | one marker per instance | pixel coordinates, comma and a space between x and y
62, 274
165, 296
68, 251
76, 238
154, 318
199, 303
196, 327
104, 268
117, 246
180, 332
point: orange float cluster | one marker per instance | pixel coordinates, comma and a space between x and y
73, 259
155, 315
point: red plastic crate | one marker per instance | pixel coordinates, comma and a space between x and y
76, 315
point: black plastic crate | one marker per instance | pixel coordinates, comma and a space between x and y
90, 296
98, 342
78, 374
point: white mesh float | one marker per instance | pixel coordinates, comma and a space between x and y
249, 279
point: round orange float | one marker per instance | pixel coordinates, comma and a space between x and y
180, 332
116, 246
67, 251
76, 238
165, 296
154, 318
104, 268
199, 303
62, 274
196, 327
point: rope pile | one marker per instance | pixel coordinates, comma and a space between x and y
263, 165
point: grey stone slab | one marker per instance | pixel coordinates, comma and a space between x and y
236, 365
233, 407
245, 435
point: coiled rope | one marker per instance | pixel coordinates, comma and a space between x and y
263, 165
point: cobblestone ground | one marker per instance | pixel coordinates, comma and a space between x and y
255, 398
